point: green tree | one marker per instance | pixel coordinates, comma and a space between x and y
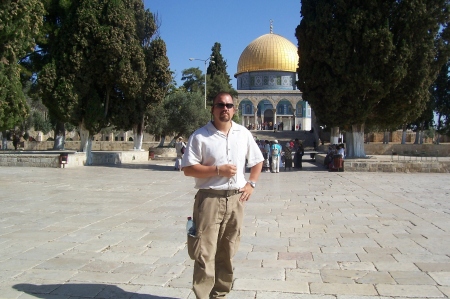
98, 63
418, 25
20, 21
218, 78
440, 93
356, 56
180, 114
423, 122
55, 15
131, 114
194, 79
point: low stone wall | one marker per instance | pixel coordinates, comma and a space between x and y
163, 152
75, 145
430, 150
51, 160
74, 159
410, 164
115, 158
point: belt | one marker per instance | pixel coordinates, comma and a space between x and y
224, 193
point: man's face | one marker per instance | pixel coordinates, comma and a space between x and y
220, 111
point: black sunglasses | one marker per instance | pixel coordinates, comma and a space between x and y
223, 105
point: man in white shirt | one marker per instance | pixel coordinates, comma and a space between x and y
216, 157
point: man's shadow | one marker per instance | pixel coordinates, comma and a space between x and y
82, 290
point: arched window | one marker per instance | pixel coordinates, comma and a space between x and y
280, 109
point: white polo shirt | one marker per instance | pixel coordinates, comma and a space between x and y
209, 146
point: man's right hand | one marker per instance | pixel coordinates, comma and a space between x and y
227, 170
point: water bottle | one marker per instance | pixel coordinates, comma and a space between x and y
190, 226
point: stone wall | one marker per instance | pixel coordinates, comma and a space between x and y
75, 145
407, 165
428, 150
75, 159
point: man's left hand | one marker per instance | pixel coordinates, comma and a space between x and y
247, 191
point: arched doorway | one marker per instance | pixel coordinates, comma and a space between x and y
268, 118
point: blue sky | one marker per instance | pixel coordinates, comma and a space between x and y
191, 27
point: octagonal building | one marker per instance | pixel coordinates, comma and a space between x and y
267, 93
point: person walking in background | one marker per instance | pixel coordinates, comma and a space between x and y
216, 156
180, 147
287, 156
267, 157
276, 154
299, 155
15, 140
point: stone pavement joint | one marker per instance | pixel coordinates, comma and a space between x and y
119, 232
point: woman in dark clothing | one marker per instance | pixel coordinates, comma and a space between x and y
299, 156
287, 157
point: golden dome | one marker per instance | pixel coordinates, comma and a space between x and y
269, 52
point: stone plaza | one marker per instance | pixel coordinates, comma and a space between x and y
119, 232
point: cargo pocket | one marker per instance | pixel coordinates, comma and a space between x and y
193, 245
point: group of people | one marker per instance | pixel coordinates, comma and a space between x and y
276, 156
267, 126
333, 150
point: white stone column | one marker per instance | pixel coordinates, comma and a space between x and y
274, 117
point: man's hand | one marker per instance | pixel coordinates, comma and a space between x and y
247, 190
227, 170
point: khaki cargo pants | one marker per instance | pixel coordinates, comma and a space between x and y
218, 218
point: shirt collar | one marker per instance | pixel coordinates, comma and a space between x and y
212, 129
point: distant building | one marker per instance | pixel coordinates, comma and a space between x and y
267, 93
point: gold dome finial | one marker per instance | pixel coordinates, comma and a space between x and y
271, 26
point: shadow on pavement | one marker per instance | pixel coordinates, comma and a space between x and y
82, 290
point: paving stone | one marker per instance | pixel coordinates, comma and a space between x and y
300, 256
389, 266
303, 275
412, 277
363, 266
342, 288
416, 291
271, 285
434, 267
442, 278
286, 264
260, 273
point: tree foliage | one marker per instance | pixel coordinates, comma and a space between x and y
417, 24
98, 62
194, 79
218, 77
180, 114
440, 93
360, 60
20, 21
155, 83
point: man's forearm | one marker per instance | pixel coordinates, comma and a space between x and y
255, 171
200, 171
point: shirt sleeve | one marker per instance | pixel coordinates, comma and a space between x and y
192, 154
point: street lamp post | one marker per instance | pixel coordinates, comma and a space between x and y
210, 58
